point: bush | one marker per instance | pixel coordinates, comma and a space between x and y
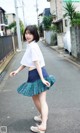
75, 22
53, 28
54, 39
13, 25
47, 20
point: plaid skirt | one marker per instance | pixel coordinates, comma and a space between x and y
34, 85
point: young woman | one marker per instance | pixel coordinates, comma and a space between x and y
38, 79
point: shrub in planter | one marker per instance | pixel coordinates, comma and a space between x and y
54, 39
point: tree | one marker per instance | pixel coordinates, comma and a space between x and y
13, 25
47, 20
21, 27
76, 19
70, 10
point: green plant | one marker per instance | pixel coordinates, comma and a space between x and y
21, 27
75, 22
77, 15
70, 10
54, 39
13, 25
47, 20
41, 30
53, 28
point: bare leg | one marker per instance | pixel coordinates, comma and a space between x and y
37, 102
44, 110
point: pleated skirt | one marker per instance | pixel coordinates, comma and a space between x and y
34, 85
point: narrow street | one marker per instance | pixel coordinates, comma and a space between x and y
17, 111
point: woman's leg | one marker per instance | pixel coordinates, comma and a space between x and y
44, 110
37, 102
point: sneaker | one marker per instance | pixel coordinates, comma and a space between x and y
38, 118
36, 130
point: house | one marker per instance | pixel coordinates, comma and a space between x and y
57, 10
3, 22
11, 17
40, 17
46, 12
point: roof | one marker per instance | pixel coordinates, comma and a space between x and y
2, 9
57, 21
41, 14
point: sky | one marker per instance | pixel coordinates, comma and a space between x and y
30, 15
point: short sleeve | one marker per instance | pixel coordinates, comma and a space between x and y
34, 54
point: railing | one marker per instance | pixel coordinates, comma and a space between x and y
6, 45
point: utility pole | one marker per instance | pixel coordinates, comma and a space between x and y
23, 12
18, 27
37, 12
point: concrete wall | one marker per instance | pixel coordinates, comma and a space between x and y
75, 41
56, 8
60, 40
47, 36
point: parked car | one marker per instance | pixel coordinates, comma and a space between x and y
67, 41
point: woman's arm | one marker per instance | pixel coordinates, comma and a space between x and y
40, 73
20, 68
13, 73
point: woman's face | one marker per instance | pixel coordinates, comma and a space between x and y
29, 37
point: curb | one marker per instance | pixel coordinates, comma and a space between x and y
68, 59
5, 62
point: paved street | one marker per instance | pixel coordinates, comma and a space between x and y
17, 111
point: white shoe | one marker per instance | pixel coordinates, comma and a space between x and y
36, 130
38, 118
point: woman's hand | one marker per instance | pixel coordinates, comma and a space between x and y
18, 70
13, 73
46, 82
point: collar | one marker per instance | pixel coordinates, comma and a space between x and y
31, 43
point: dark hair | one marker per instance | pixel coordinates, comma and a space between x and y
33, 30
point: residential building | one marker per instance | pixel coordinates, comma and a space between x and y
57, 10
40, 16
46, 12
10, 18
3, 21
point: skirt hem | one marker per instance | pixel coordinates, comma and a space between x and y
35, 88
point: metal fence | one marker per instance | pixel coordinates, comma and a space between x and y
6, 45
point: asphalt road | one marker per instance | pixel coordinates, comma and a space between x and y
17, 111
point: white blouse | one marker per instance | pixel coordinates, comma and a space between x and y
32, 53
